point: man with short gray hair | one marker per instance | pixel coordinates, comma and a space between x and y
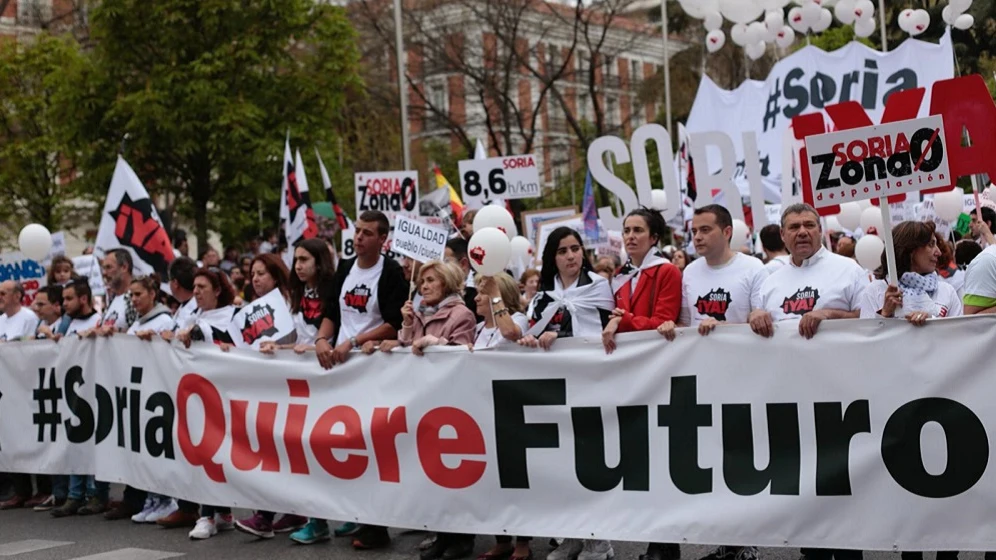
815, 286
17, 322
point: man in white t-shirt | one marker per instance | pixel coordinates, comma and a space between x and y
774, 247
181, 284
815, 286
77, 302
980, 283
17, 322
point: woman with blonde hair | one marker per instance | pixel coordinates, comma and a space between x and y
499, 303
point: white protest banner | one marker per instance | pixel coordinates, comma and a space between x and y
419, 241
878, 161
903, 211
531, 219
576, 223
773, 213
483, 180
130, 221
806, 81
58, 247
265, 319
614, 247
776, 442
30, 273
391, 192
88, 267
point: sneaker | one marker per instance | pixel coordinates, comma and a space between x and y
37, 500
316, 530
568, 550
257, 525
289, 522
347, 529
165, 508
179, 519
722, 553
224, 521
14, 503
50, 504
596, 550
93, 506
71, 507
151, 505
205, 529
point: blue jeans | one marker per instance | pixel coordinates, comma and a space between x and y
60, 486
81, 486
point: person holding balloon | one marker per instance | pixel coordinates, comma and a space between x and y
920, 295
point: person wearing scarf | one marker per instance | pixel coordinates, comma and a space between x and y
648, 287
573, 301
921, 293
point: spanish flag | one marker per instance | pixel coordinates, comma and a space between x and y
456, 205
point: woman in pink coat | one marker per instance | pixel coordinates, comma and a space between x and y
442, 318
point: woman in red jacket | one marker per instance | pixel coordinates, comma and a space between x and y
648, 287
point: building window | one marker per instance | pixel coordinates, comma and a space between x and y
34, 13
611, 111
584, 107
580, 66
438, 100
552, 60
635, 71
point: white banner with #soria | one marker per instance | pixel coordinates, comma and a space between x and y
873, 435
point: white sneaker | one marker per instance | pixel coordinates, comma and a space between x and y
205, 529
597, 550
166, 508
150, 506
224, 522
569, 549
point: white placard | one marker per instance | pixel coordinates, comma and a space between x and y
484, 180
30, 273
877, 161
419, 241
88, 267
391, 192
263, 319
58, 247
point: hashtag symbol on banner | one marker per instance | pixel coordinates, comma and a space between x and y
47, 395
772, 109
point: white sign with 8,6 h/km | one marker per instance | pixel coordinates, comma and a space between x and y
484, 180
878, 161
391, 192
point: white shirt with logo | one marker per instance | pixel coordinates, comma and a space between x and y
490, 338
157, 324
81, 324
19, 325
184, 315
116, 314
944, 303
725, 293
358, 306
824, 281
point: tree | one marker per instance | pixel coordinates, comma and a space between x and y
206, 91
33, 170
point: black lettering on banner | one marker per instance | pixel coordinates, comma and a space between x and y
920, 139
633, 469
834, 432
823, 89
513, 436
784, 456
472, 183
105, 416
967, 447
409, 194
496, 181
826, 160
82, 430
159, 429
684, 416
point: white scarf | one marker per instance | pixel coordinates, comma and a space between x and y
214, 321
588, 299
629, 272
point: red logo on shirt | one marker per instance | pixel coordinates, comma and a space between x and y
714, 304
311, 309
358, 298
802, 302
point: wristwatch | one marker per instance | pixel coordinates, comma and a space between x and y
495, 300
353, 342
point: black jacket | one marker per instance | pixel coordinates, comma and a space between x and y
392, 293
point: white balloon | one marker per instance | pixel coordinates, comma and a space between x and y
850, 216
35, 241
713, 20
871, 218
772, 4
864, 27
797, 21
715, 40
833, 224
844, 11
810, 13
739, 34
521, 249
949, 205
756, 32
864, 9
947, 14
864, 204
826, 18
906, 18
693, 8
964, 21
775, 22
756, 50
488, 250
785, 38
658, 200
493, 216
961, 5
868, 252
920, 22
740, 11
740, 235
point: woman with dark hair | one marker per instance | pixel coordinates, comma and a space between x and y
920, 294
267, 273
529, 284
648, 287
680, 259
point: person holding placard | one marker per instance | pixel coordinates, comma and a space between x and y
921, 294
648, 287
817, 285
498, 301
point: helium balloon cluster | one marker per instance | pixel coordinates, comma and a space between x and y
955, 16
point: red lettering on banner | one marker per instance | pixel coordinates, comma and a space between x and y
201, 455
384, 430
323, 442
294, 428
468, 441
966, 104
243, 456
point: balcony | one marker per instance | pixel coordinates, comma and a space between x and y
611, 81
558, 124
433, 122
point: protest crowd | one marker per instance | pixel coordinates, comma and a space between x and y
344, 309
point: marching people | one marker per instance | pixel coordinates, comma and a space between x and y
648, 287
52, 323
774, 247
499, 303
117, 269
947, 268
367, 296
181, 285
456, 251
529, 284
680, 259
980, 279
921, 294
17, 322
60, 272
